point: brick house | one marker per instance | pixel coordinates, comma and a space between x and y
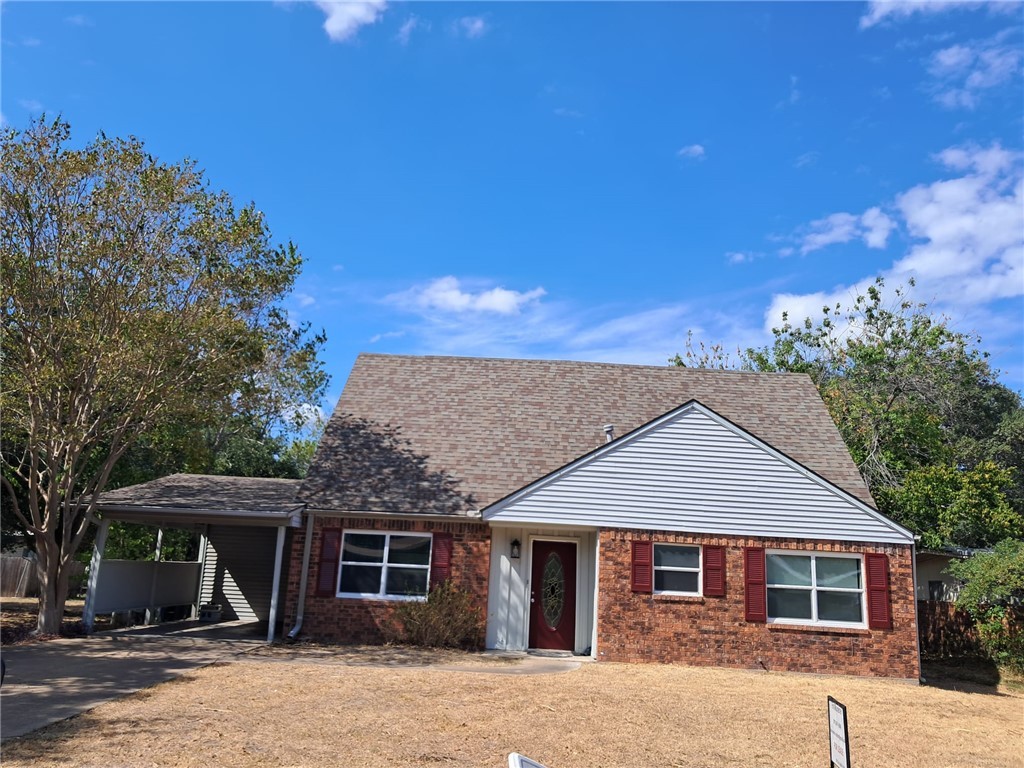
631, 513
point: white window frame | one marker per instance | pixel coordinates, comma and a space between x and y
699, 570
814, 589
381, 594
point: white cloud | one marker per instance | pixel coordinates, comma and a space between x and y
794, 93
30, 105
806, 159
872, 227
742, 257
572, 113
962, 72
969, 230
876, 227
471, 26
78, 20
446, 295
31, 42
305, 300
837, 228
386, 335
967, 250
343, 20
895, 10
692, 151
409, 26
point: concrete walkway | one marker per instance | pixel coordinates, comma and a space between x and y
50, 681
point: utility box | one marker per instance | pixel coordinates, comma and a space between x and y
209, 612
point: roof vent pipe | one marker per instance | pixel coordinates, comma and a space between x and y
609, 432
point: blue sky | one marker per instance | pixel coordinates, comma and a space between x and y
575, 180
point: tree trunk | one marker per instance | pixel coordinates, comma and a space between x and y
53, 589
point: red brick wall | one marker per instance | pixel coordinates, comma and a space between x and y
712, 631
347, 620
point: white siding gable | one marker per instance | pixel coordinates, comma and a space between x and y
691, 470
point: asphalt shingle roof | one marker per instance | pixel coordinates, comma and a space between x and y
453, 434
208, 492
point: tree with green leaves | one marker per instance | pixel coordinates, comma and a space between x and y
993, 594
934, 434
137, 302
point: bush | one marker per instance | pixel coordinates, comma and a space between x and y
448, 619
993, 595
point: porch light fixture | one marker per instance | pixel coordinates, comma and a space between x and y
515, 549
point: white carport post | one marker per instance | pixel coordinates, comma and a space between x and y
151, 612
278, 556
202, 572
100, 543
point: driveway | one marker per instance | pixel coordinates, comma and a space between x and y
50, 681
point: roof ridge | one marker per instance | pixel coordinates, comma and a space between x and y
580, 363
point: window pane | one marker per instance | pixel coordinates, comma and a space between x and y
409, 550
407, 581
363, 548
361, 578
675, 581
676, 557
789, 569
838, 572
789, 604
839, 606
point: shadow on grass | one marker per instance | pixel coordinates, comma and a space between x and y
971, 674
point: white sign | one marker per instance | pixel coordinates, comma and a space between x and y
838, 735
515, 760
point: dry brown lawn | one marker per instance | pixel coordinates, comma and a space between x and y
308, 713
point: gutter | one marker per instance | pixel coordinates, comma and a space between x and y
170, 515
471, 516
307, 546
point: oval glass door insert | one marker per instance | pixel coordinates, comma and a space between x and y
553, 590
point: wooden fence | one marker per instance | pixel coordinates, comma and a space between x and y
18, 577
945, 631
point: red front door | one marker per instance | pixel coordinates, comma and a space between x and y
553, 595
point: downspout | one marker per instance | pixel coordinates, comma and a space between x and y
917, 617
307, 547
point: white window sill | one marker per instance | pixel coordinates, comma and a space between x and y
382, 598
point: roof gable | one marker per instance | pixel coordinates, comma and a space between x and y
692, 470
483, 428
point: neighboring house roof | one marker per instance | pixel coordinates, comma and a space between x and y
205, 498
470, 431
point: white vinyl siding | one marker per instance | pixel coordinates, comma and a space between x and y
694, 472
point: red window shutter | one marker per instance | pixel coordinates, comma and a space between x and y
642, 578
879, 610
714, 570
441, 559
330, 556
755, 593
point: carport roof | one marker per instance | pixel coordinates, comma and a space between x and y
189, 499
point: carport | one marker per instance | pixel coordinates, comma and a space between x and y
243, 526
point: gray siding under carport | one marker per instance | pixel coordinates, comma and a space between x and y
238, 571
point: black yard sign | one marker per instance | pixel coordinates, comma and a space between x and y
838, 735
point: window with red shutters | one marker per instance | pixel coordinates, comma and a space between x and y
755, 592
714, 570
330, 555
441, 559
642, 576
876, 566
